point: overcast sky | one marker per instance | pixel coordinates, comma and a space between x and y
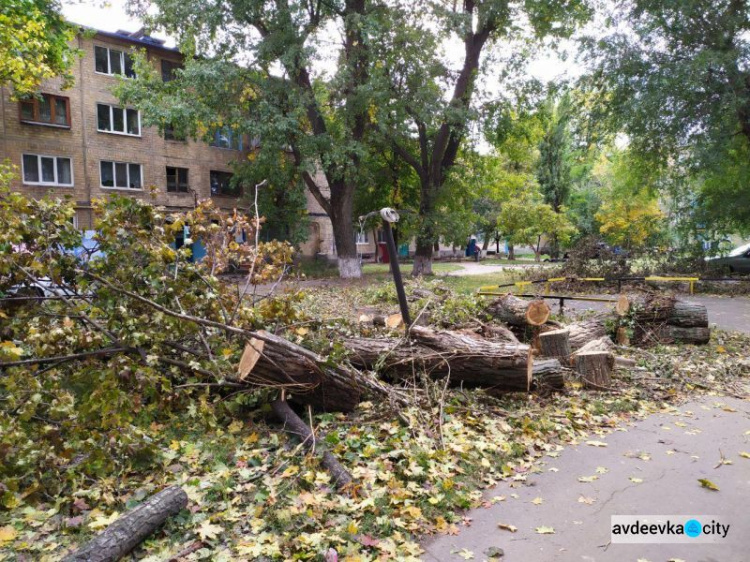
111, 16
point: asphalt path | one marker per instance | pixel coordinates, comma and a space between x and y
650, 467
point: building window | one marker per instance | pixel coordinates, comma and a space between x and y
111, 119
361, 237
122, 175
168, 69
177, 180
221, 184
227, 138
47, 170
47, 110
112, 62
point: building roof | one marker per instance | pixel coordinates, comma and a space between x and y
138, 38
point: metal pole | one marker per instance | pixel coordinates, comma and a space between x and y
391, 243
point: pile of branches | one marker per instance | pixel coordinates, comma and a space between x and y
98, 336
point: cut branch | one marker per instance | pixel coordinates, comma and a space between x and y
132, 528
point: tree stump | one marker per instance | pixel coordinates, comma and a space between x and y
556, 343
595, 368
132, 528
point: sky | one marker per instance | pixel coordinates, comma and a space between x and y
111, 16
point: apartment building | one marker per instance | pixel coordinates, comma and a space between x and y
82, 143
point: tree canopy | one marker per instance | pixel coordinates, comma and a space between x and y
35, 44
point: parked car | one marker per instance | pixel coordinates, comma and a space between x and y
738, 260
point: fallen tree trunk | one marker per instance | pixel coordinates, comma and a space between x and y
516, 311
674, 334
688, 315
294, 425
466, 358
308, 378
581, 333
132, 528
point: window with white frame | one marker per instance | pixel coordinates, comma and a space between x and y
121, 175
47, 170
113, 62
120, 120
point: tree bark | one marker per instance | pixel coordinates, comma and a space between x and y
342, 220
294, 425
516, 311
556, 344
668, 334
132, 528
595, 368
467, 358
310, 379
581, 333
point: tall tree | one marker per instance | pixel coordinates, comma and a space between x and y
674, 75
554, 166
431, 102
274, 88
35, 44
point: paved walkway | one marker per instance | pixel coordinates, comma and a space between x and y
652, 467
728, 313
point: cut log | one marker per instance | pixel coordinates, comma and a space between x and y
310, 379
688, 315
132, 528
581, 333
466, 358
516, 311
674, 334
601, 344
556, 344
595, 368
297, 428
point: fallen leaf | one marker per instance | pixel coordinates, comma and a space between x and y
635, 480
466, 554
708, 484
507, 527
588, 478
745, 455
7, 534
596, 443
537, 501
601, 470
586, 500
208, 530
545, 530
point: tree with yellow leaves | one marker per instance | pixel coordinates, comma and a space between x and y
35, 44
629, 215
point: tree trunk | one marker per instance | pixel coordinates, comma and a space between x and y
581, 333
516, 311
511, 252
310, 378
466, 358
669, 334
132, 528
556, 344
422, 260
294, 425
342, 221
595, 368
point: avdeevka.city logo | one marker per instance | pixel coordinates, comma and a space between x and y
638, 529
